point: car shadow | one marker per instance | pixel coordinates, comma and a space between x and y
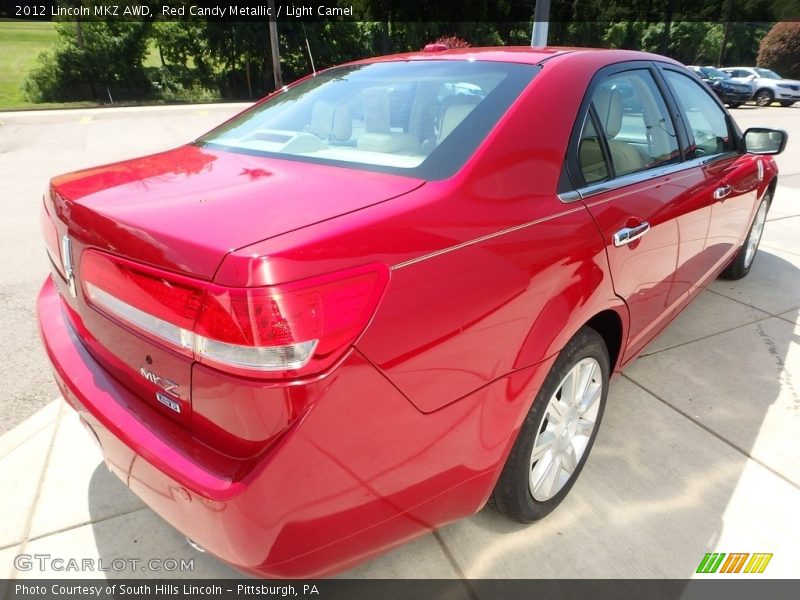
668, 468
140, 544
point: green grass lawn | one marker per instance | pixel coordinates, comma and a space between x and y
20, 45
21, 42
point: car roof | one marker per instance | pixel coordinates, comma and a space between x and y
516, 54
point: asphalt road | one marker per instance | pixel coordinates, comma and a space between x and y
34, 146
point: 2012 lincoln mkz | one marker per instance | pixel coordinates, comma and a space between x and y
391, 292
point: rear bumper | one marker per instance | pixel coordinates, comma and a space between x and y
360, 473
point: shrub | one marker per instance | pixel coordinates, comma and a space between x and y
99, 61
453, 41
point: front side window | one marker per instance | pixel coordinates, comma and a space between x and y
418, 118
706, 120
634, 118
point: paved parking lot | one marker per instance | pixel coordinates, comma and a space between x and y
698, 450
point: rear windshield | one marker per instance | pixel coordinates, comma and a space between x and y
422, 119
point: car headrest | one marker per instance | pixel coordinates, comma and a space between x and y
329, 121
608, 104
454, 110
376, 110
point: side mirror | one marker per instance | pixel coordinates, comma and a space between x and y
760, 140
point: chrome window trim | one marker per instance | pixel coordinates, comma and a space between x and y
570, 196
638, 177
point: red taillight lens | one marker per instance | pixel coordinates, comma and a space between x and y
159, 305
285, 330
312, 320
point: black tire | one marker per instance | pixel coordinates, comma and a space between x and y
786, 103
741, 264
764, 97
512, 496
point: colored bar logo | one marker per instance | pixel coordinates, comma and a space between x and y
719, 562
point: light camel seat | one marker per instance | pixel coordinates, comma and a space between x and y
378, 136
331, 122
592, 161
454, 110
626, 157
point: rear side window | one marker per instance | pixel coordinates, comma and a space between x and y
706, 120
635, 121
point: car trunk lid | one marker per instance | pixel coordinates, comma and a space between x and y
181, 212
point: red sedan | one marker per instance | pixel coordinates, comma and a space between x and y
392, 291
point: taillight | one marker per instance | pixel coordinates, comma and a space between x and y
161, 305
284, 330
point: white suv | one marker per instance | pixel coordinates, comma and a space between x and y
769, 86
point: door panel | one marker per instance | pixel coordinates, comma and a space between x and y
644, 191
736, 177
643, 270
692, 209
730, 177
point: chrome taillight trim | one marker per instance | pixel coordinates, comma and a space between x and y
153, 325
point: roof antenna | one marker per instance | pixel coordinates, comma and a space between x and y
308, 47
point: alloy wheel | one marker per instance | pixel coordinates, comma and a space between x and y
756, 231
763, 98
566, 429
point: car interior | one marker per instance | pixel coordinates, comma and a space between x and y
636, 126
388, 123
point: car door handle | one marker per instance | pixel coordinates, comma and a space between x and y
626, 235
722, 192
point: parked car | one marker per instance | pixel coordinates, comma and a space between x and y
321, 329
770, 87
730, 92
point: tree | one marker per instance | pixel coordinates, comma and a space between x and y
780, 49
229, 58
104, 62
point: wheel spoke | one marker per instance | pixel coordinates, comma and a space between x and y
540, 471
569, 460
556, 410
587, 375
547, 482
585, 427
590, 398
569, 387
544, 443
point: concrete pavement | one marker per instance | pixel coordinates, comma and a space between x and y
35, 146
697, 452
